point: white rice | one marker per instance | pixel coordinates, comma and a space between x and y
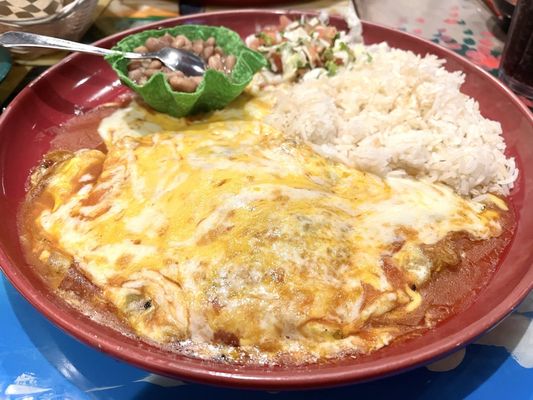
401, 114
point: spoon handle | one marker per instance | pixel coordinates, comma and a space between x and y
24, 39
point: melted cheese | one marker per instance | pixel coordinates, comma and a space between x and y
223, 230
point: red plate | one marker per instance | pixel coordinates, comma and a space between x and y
82, 82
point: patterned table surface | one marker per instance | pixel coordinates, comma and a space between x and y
39, 361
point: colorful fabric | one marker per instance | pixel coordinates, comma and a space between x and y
21, 9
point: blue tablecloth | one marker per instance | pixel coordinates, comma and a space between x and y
39, 361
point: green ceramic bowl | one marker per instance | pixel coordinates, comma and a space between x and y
214, 92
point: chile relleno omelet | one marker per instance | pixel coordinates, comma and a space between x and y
223, 237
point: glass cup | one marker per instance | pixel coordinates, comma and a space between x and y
516, 67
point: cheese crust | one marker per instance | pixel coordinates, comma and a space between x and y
223, 237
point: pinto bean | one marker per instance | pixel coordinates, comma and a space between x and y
179, 42
215, 62
208, 52
173, 74
149, 72
155, 64
190, 85
135, 75
230, 62
135, 64
183, 84
166, 39
153, 44
198, 46
175, 82
141, 70
187, 45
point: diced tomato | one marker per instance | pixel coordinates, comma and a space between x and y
284, 21
270, 28
313, 54
263, 38
255, 43
276, 59
272, 35
327, 33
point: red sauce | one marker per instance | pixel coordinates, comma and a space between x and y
81, 132
454, 289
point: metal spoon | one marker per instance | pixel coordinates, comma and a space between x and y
175, 59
